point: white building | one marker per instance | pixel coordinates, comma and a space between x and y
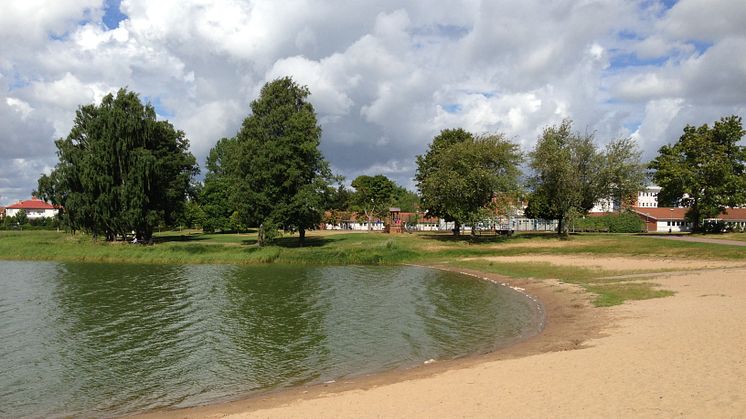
34, 207
648, 198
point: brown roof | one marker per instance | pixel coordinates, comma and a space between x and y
730, 214
662, 213
33, 203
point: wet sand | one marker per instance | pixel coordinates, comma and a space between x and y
675, 356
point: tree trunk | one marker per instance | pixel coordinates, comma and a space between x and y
301, 236
456, 228
562, 226
695, 217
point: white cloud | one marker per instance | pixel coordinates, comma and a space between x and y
384, 76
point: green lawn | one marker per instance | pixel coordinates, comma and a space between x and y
377, 248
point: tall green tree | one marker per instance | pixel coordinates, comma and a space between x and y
567, 175
461, 174
216, 194
120, 169
279, 174
705, 170
373, 196
622, 173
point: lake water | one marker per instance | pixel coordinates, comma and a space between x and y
107, 340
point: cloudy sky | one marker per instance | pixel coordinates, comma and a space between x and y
385, 76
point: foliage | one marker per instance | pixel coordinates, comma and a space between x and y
120, 169
21, 217
427, 165
406, 200
276, 173
625, 222
705, 170
461, 174
215, 195
373, 196
338, 199
623, 175
570, 174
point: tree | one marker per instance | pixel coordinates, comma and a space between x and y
623, 175
373, 196
215, 196
567, 176
120, 169
21, 217
705, 170
461, 174
406, 200
278, 175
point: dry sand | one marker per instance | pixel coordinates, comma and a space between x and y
678, 356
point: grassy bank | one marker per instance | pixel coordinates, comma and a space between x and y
377, 248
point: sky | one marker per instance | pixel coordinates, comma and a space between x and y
385, 76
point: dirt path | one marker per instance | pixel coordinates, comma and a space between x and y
701, 240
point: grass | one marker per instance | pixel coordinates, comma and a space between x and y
341, 248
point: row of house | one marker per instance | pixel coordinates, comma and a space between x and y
657, 219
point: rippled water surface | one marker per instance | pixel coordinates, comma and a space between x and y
106, 340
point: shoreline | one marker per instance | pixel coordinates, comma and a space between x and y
569, 320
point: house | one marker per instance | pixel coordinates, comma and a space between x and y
667, 220
733, 217
34, 208
2, 213
673, 220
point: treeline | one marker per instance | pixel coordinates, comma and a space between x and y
121, 170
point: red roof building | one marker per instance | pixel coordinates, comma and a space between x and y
34, 208
673, 220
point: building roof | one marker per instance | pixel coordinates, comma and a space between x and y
31, 204
662, 213
730, 214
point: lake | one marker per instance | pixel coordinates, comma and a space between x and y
105, 340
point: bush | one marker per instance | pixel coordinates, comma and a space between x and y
626, 222
714, 227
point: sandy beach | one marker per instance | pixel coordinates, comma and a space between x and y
678, 356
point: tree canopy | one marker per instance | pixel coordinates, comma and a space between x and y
460, 175
704, 170
373, 196
278, 177
570, 174
120, 169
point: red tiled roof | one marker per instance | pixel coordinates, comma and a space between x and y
33, 203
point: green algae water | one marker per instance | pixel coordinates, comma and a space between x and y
98, 340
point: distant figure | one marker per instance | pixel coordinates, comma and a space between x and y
134, 241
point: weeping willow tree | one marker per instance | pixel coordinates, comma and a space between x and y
120, 170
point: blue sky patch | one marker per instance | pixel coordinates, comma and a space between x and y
160, 109
625, 60
112, 14
452, 107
